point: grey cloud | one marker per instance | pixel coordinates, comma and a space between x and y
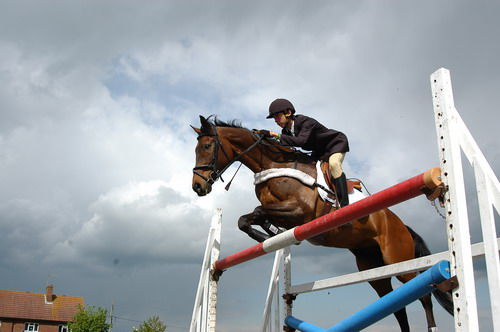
138, 224
28, 230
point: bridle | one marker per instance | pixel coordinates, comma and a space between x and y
216, 174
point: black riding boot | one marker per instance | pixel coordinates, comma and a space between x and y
341, 187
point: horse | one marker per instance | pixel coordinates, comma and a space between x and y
378, 239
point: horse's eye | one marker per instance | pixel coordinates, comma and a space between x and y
207, 146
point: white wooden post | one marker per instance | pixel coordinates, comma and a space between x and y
281, 272
278, 320
464, 297
490, 244
454, 137
488, 195
271, 291
213, 285
287, 280
205, 304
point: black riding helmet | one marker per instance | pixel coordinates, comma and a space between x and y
280, 105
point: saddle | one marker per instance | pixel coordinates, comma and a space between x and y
351, 185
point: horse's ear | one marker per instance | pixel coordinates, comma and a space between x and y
206, 126
204, 122
197, 130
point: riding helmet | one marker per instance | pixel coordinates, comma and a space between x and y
280, 105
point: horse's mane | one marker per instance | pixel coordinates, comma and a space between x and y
289, 151
215, 121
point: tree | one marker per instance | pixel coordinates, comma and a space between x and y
90, 319
152, 324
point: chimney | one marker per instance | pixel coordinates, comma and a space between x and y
49, 293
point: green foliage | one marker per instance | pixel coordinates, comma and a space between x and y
90, 319
152, 324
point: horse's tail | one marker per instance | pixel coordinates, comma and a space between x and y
421, 249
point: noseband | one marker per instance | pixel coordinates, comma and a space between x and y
216, 174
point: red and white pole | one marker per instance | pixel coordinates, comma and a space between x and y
424, 183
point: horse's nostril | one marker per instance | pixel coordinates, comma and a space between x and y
197, 188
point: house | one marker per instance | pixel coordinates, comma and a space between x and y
37, 312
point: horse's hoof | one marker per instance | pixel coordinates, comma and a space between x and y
433, 329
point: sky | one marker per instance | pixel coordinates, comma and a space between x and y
96, 149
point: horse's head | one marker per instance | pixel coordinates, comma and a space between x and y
220, 144
211, 157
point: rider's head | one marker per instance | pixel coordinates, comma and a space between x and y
281, 106
281, 110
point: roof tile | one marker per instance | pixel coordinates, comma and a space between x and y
25, 305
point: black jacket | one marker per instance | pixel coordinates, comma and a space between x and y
311, 135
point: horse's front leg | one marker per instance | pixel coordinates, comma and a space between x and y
262, 219
257, 218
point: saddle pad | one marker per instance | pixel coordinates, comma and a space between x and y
356, 195
321, 180
279, 172
306, 179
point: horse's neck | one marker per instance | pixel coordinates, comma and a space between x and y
255, 160
263, 157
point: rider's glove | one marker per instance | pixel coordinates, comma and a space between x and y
265, 133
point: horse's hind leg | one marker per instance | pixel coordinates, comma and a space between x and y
426, 303
369, 258
429, 314
397, 245
383, 287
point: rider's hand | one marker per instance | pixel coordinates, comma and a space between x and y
274, 134
268, 133
265, 133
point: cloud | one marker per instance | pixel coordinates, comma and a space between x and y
29, 229
137, 224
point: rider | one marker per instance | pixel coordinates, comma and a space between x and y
307, 133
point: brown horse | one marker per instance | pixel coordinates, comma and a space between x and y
376, 240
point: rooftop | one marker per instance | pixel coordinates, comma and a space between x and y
37, 306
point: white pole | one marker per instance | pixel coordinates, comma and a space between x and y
464, 297
490, 245
277, 318
273, 283
287, 279
213, 286
204, 310
488, 195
